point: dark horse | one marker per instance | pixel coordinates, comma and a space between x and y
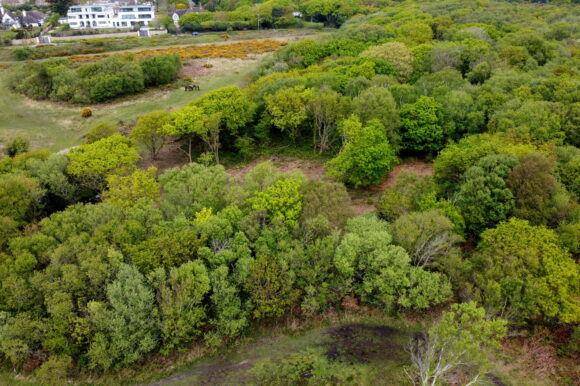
192, 87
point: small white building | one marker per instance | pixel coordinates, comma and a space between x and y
109, 15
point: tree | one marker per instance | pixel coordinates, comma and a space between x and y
269, 289
189, 189
542, 120
405, 196
327, 108
60, 6
92, 163
187, 123
126, 329
427, 236
330, 200
125, 191
381, 273
234, 108
289, 109
484, 198
524, 274
19, 197
535, 187
421, 125
378, 103
365, 156
181, 295
281, 201
395, 53
150, 131
456, 343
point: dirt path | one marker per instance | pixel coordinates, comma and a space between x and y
349, 343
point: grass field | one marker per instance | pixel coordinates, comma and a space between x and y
59, 126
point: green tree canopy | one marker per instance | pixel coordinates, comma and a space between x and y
365, 156
524, 274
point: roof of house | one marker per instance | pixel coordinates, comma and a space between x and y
31, 17
5, 12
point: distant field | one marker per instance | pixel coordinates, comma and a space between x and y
95, 44
59, 126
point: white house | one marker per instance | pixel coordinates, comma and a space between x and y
24, 19
109, 15
8, 19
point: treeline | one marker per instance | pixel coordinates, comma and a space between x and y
103, 264
276, 14
60, 80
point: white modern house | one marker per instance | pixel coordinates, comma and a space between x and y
109, 15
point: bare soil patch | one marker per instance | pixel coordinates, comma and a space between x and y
169, 157
311, 168
362, 343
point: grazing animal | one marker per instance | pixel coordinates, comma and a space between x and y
192, 87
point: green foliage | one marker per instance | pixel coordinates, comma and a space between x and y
127, 190
427, 236
288, 108
484, 198
269, 288
378, 103
309, 367
126, 330
460, 341
381, 273
281, 201
535, 189
55, 370
99, 131
525, 274
19, 197
93, 163
150, 132
365, 156
330, 200
181, 294
100, 81
189, 189
421, 125
160, 69
395, 53
17, 146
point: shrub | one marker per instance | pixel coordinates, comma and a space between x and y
99, 131
16, 146
160, 69
86, 112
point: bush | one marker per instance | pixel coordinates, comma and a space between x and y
16, 146
86, 112
23, 53
99, 131
160, 69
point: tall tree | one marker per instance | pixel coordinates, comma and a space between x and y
365, 156
150, 131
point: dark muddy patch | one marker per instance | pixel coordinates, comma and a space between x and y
361, 343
